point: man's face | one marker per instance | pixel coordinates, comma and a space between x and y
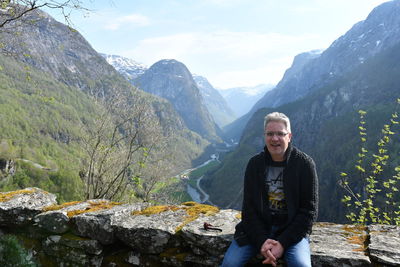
277, 139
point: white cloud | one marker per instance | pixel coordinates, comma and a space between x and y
239, 58
228, 45
268, 74
136, 20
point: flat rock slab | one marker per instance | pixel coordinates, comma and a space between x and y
149, 233
19, 207
384, 244
338, 245
212, 241
97, 225
56, 218
209, 245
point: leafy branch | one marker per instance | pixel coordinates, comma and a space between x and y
365, 205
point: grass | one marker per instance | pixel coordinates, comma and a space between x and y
197, 173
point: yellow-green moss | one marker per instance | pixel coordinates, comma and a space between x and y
94, 206
61, 206
238, 216
154, 210
7, 196
193, 211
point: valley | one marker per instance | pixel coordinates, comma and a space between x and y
96, 119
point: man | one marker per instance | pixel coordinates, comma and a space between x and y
279, 201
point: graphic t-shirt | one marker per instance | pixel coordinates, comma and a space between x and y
276, 195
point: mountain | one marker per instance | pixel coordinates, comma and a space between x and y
48, 84
235, 129
365, 39
129, 68
215, 103
359, 71
242, 99
315, 69
294, 79
172, 80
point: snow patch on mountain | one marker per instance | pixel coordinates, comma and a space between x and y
126, 66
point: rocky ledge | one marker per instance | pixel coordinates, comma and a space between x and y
105, 233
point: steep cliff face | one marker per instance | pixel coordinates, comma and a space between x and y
291, 78
171, 80
53, 47
215, 103
380, 31
313, 70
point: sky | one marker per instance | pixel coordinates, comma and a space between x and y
232, 43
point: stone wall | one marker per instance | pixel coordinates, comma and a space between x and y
104, 233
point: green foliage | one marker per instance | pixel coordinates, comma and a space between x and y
65, 184
374, 201
41, 125
12, 253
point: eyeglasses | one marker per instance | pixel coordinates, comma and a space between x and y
278, 134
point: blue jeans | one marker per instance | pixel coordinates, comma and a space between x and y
297, 255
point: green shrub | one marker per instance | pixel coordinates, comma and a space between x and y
372, 197
12, 253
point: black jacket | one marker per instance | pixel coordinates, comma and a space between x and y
300, 184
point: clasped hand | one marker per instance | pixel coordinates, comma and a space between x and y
272, 250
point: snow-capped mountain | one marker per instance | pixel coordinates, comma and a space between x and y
242, 99
129, 68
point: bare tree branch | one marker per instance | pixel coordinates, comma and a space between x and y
16, 10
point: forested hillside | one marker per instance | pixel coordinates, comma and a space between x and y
42, 120
75, 126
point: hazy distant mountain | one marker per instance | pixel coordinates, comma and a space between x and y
360, 70
215, 103
235, 129
242, 99
172, 80
129, 68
